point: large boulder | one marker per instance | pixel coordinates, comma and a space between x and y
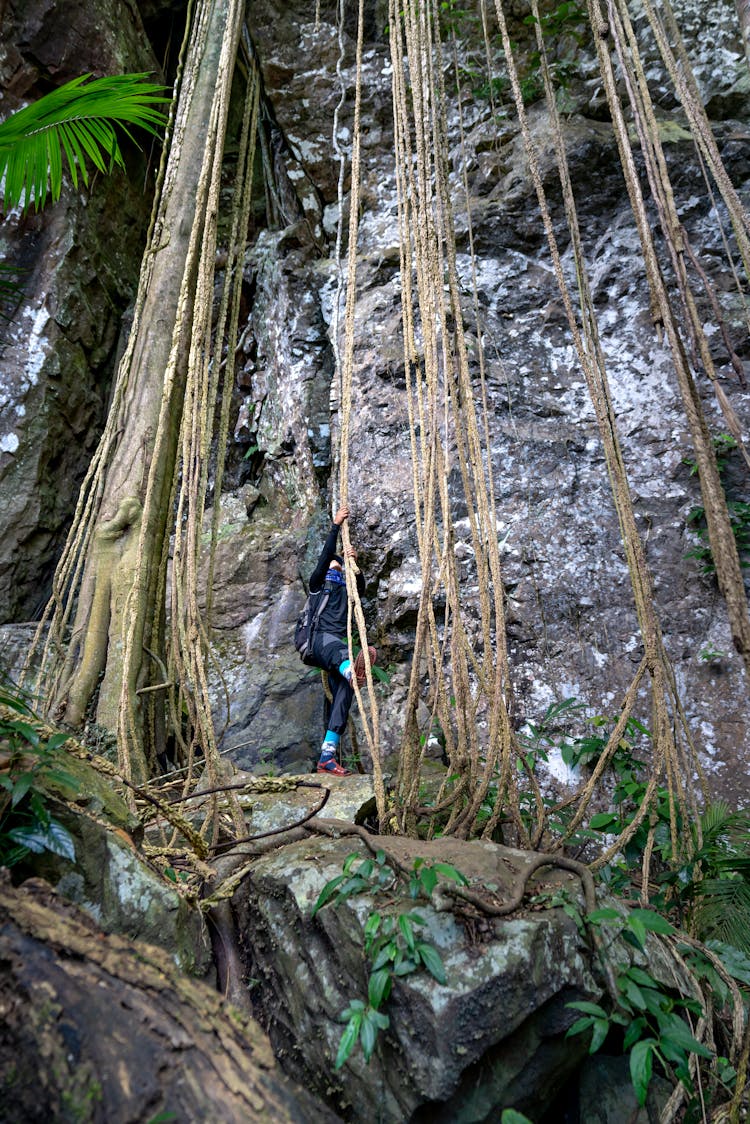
493, 1036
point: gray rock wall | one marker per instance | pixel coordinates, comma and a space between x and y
571, 623
78, 263
572, 627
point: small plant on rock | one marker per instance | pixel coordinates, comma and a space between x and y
393, 944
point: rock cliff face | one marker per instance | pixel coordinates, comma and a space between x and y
572, 627
78, 266
571, 623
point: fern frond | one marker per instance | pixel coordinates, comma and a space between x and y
75, 122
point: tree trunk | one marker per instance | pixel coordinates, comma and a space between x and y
122, 587
95, 1028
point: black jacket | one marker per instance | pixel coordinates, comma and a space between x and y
333, 619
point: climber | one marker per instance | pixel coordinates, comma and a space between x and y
330, 649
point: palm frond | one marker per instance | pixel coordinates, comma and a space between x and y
76, 122
721, 911
716, 819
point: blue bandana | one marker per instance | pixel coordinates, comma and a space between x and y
336, 576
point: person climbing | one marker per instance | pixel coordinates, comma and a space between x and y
329, 649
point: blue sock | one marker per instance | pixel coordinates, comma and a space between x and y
329, 746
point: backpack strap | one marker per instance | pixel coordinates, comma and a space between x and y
322, 602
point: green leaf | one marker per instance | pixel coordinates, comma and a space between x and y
355, 884
379, 987
602, 821
512, 1116
588, 1008
34, 837
736, 962
652, 921
598, 915
640, 976
430, 957
600, 1032
354, 1006
633, 1033
641, 1067
405, 967
7, 698
450, 872
39, 837
349, 861
59, 841
637, 931
327, 892
368, 1035
677, 1032
372, 924
349, 1039
28, 733
21, 786
407, 931
386, 955
428, 880
580, 1025
632, 993
655, 1001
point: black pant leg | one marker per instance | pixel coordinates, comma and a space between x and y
328, 654
343, 694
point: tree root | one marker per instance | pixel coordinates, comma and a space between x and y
334, 828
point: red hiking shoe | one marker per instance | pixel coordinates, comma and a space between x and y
360, 666
333, 768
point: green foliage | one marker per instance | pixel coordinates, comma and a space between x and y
714, 885
564, 900
393, 946
710, 654
76, 122
650, 1015
565, 29
369, 876
739, 512
425, 876
27, 761
736, 962
539, 740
